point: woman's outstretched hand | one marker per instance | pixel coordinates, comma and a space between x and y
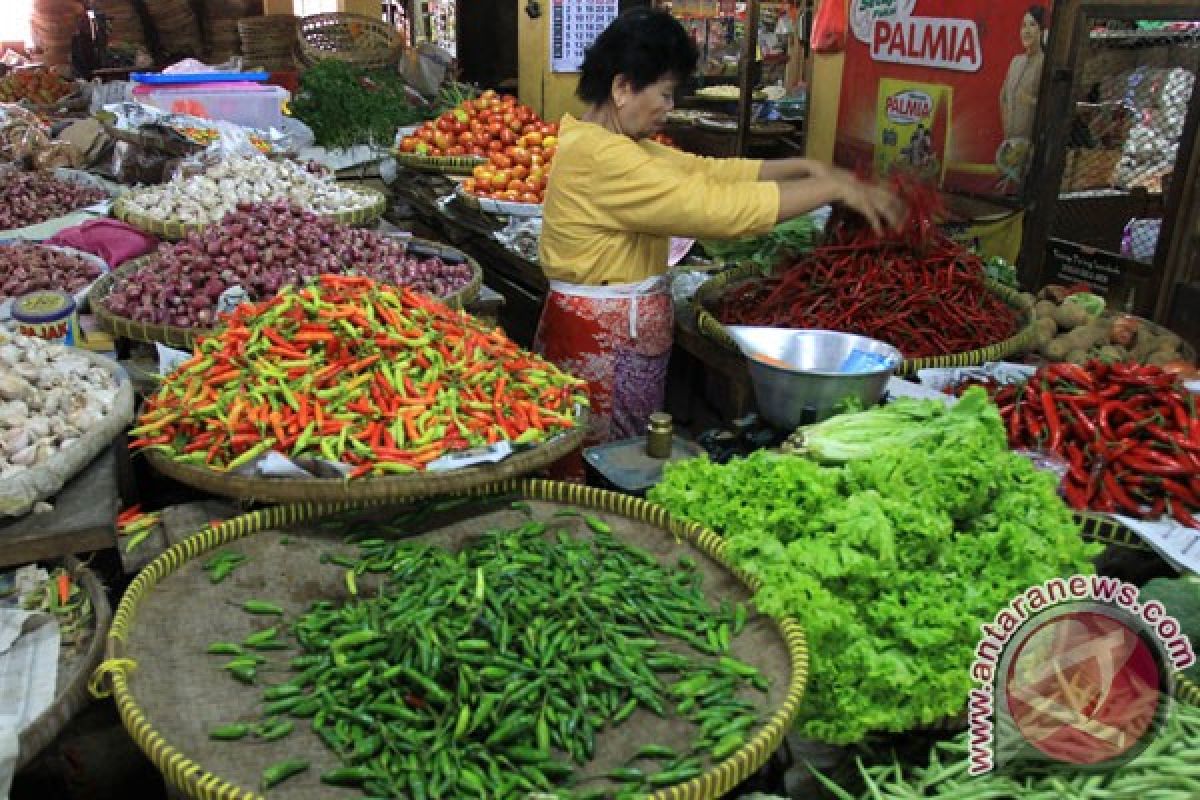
882, 209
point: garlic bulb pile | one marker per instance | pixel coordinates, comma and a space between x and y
49, 397
206, 198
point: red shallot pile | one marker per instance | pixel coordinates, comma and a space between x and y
29, 198
913, 288
28, 267
262, 248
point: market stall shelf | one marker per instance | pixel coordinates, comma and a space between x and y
174, 229
76, 664
282, 548
708, 296
373, 489
186, 338
83, 519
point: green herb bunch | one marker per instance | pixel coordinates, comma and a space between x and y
346, 106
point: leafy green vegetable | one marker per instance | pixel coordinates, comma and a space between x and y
345, 105
891, 562
1093, 304
1000, 271
792, 237
905, 421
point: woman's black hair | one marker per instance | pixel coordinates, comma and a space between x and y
643, 44
1039, 15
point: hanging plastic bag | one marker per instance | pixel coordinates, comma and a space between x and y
829, 27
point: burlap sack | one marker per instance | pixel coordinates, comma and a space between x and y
19, 492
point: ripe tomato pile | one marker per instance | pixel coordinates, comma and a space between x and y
517, 143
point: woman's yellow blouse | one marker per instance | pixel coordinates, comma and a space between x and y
612, 204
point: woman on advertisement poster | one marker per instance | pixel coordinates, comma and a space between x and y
1018, 99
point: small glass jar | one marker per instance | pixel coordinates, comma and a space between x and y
658, 435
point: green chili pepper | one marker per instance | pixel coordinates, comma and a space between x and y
237, 730
279, 772
260, 607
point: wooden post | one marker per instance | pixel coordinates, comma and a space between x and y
746, 79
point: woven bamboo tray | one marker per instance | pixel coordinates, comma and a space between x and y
710, 292
490, 205
447, 165
168, 697
390, 488
363, 41
72, 694
174, 230
186, 338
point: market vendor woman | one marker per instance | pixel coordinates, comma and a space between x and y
615, 198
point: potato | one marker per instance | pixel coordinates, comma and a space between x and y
1081, 338
1044, 309
1070, 316
1045, 329
1093, 334
1026, 300
1077, 356
1057, 349
1053, 292
1125, 330
1146, 344
1160, 357
1169, 341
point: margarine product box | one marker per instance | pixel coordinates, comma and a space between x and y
912, 129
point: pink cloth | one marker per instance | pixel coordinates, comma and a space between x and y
111, 239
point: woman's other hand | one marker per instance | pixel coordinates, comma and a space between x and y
879, 207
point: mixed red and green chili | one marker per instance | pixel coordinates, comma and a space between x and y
384, 380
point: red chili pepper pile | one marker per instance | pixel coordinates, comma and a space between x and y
348, 371
1130, 433
914, 288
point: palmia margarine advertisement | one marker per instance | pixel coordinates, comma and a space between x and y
946, 89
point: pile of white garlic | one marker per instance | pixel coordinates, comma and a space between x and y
50, 396
206, 198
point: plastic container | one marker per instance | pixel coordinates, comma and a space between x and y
247, 104
47, 314
177, 78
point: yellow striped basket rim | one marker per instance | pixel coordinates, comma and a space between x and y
174, 229
382, 489
710, 292
447, 165
196, 781
185, 338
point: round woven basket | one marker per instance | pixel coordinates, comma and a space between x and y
174, 230
488, 205
710, 293
71, 695
447, 165
144, 671
372, 489
356, 39
185, 338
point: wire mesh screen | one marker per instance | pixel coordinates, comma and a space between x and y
1131, 93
